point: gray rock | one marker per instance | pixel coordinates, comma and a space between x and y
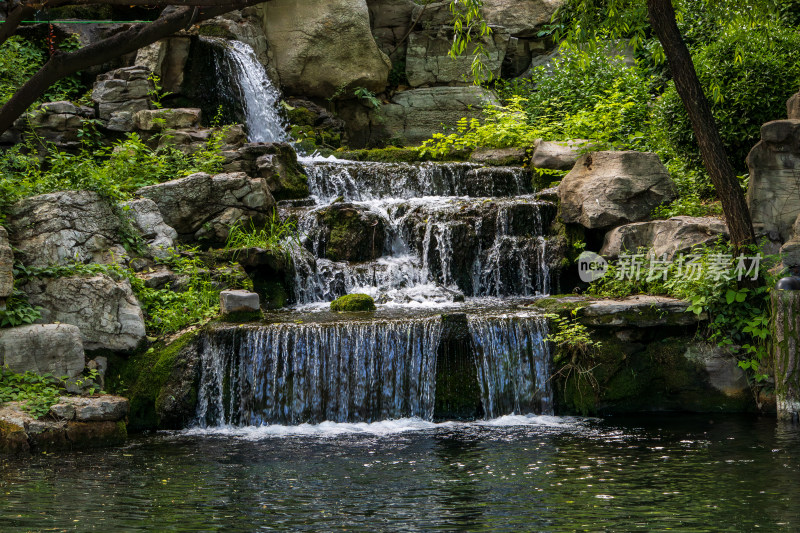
6, 266
276, 163
413, 116
124, 89
246, 26
324, 48
642, 311
774, 190
664, 237
167, 119
722, 369
428, 62
122, 121
147, 220
205, 207
56, 349
521, 18
167, 59
605, 189
793, 107
63, 227
391, 20
106, 311
63, 411
56, 122
499, 156
558, 155
238, 301
97, 409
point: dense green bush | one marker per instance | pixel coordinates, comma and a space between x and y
748, 75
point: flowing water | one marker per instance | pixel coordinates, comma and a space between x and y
709, 473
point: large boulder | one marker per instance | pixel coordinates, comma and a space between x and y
558, 155
153, 120
793, 107
167, 60
413, 116
276, 163
324, 48
605, 189
147, 220
664, 237
105, 310
121, 93
775, 179
202, 207
63, 227
521, 18
56, 122
54, 349
6, 267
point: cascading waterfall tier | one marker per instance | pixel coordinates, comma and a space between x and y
252, 89
513, 363
298, 373
364, 371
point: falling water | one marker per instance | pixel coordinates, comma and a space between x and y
298, 373
512, 358
259, 97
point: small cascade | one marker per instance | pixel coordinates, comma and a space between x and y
298, 373
512, 359
259, 98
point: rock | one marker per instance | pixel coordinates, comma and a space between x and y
774, 179
244, 25
6, 267
63, 411
54, 349
793, 107
428, 62
558, 155
324, 48
238, 301
146, 219
641, 311
722, 368
166, 59
167, 119
609, 188
391, 20
96, 409
106, 311
347, 232
499, 156
353, 302
521, 18
63, 227
276, 163
664, 237
202, 207
413, 116
56, 122
124, 89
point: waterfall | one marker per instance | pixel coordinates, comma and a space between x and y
364, 371
512, 359
298, 373
257, 95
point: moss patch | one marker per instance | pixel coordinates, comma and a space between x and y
393, 154
144, 377
353, 302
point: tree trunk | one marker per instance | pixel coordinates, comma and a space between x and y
734, 206
786, 330
63, 64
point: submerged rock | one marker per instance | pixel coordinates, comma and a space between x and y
605, 189
106, 311
353, 302
664, 237
203, 208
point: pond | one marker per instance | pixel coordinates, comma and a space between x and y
512, 473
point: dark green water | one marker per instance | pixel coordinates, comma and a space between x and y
550, 474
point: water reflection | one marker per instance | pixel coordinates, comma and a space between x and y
700, 474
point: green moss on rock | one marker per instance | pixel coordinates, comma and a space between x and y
353, 302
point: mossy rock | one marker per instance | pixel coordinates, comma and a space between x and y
353, 302
301, 116
354, 233
161, 383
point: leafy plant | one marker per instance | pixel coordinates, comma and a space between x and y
276, 234
369, 96
157, 93
18, 311
38, 393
